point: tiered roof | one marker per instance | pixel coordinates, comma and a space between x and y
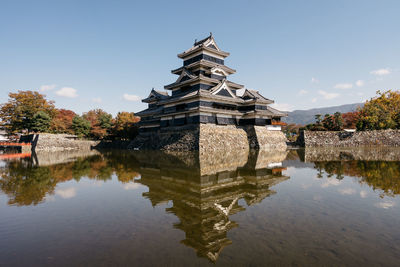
207, 44
155, 96
208, 47
204, 75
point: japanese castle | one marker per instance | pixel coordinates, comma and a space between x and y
203, 94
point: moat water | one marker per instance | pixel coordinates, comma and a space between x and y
296, 207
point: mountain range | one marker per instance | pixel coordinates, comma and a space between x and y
308, 116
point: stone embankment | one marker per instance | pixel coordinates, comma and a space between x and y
350, 139
222, 138
261, 138
210, 138
382, 153
184, 138
205, 138
60, 142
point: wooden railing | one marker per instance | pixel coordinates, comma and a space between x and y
278, 123
14, 156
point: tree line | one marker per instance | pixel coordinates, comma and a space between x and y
30, 111
379, 113
26, 184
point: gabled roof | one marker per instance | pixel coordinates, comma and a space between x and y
189, 81
155, 95
255, 95
149, 111
223, 85
206, 40
218, 71
207, 43
185, 73
233, 85
204, 63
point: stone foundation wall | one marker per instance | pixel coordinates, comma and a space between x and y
348, 139
222, 138
210, 138
174, 139
60, 142
261, 138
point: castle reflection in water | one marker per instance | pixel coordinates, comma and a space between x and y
204, 190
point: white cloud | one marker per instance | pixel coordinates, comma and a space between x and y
385, 204
330, 182
347, 191
66, 193
381, 72
131, 186
97, 100
360, 83
283, 106
314, 80
303, 92
67, 92
343, 86
327, 95
47, 87
131, 97
363, 193
314, 100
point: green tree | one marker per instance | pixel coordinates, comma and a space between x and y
338, 121
41, 122
17, 114
105, 121
81, 126
328, 122
318, 118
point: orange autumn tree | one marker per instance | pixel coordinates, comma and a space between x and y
18, 113
381, 112
125, 125
350, 119
100, 123
62, 121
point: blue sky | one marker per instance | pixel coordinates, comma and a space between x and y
109, 54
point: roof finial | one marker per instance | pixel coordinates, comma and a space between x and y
210, 34
195, 41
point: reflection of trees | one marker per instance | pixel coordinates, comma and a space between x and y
26, 184
382, 175
124, 165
